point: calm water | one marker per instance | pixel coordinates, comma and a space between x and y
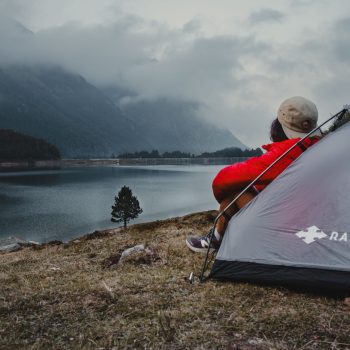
62, 204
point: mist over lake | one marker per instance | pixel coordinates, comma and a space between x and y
63, 204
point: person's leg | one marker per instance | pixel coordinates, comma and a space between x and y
240, 203
200, 244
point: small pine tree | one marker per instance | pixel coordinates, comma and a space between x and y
126, 206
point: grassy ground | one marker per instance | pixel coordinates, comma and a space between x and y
74, 296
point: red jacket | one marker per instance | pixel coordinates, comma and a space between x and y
235, 177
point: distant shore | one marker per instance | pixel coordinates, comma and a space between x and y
58, 164
29, 165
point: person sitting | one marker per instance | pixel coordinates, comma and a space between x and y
296, 117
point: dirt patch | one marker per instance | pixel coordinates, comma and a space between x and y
111, 261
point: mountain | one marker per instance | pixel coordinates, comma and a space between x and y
173, 125
12, 29
66, 110
82, 121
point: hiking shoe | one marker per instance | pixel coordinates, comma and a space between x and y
201, 244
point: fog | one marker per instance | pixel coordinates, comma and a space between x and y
236, 62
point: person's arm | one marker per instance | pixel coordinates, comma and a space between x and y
235, 177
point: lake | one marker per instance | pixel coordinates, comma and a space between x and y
64, 204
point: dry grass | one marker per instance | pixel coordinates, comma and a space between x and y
75, 296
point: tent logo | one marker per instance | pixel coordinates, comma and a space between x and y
311, 234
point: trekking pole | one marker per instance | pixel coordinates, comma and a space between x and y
338, 115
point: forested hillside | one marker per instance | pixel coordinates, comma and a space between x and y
61, 107
17, 146
223, 153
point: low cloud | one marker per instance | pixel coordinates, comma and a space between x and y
143, 60
266, 15
236, 81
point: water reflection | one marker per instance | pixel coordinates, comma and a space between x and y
6, 199
66, 203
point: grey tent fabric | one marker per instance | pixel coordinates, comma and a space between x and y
297, 231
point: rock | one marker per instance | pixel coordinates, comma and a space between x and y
11, 240
13, 247
138, 255
12, 244
136, 249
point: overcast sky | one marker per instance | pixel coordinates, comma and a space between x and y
237, 59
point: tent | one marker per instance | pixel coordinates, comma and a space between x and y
297, 231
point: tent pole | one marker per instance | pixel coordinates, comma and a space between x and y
339, 115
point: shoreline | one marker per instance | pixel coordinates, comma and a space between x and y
13, 243
9, 166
